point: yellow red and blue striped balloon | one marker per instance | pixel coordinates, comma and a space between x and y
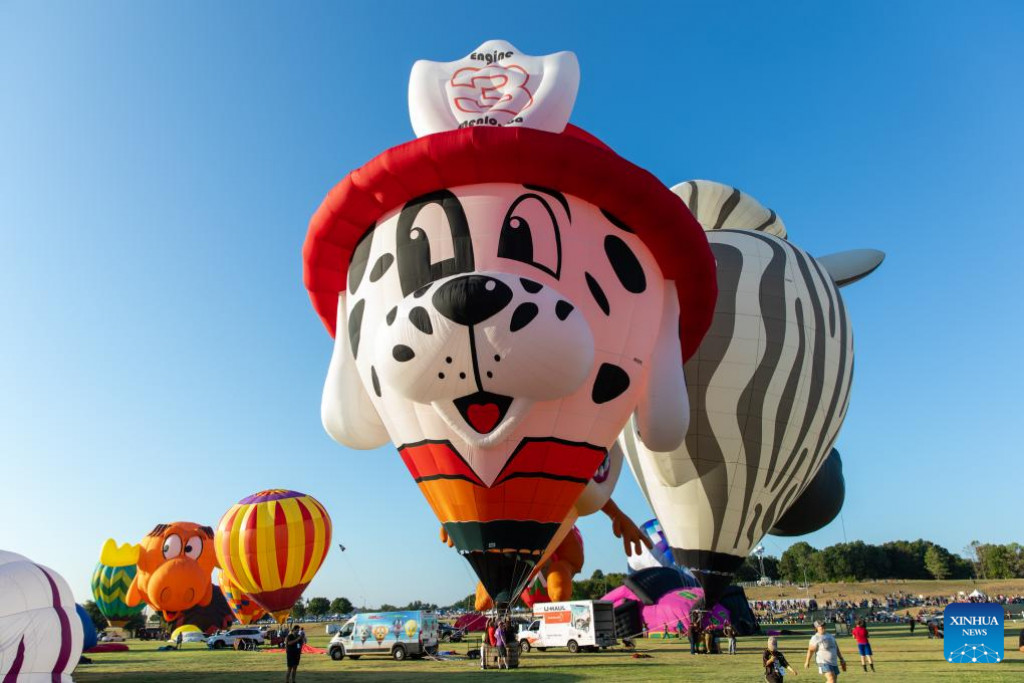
271, 544
245, 609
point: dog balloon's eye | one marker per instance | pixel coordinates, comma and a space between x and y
529, 234
432, 241
172, 546
194, 547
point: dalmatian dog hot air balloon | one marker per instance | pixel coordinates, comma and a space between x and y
769, 387
504, 292
40, 632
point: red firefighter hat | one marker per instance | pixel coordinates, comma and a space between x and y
498, 116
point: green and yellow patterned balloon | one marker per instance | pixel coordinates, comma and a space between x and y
111, 579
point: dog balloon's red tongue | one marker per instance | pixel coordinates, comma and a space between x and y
504, 291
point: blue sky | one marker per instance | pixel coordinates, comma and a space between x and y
159, 358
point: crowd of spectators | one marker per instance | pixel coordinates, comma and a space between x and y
893, 608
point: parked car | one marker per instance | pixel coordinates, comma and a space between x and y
245, 638
450, 634
112, 637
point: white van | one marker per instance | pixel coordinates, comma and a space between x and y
408, 633
577, 625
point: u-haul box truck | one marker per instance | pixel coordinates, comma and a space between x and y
579, 624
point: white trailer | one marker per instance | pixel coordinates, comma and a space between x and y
576, 625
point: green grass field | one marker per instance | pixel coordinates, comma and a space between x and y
899, 657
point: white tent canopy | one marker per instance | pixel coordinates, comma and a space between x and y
976, 594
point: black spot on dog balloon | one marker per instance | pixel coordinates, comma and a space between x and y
625, 264
355, 322
610, 383
421, 320
360, 259
390, 317
598, 294
522, 316
376, 382
381, 267
563, 308
530, 286
402, 353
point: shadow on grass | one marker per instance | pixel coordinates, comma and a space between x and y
83, 676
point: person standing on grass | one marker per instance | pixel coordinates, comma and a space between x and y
775, 664
679, 628
693, 633
913, 623
293, 651
860, 634
729, 632
826, 653
499, 638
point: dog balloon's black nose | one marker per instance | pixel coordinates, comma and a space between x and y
471, 299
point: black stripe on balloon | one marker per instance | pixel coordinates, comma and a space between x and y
546, 475
828, 284
816, 353
618, 223
768, 222
837, 386
754, 396
433, 477
559, 197
598, 294
753, 522
501, 534
727, 208
360, 259
625, 264
355, 323
788, 398
710, 467
692, 204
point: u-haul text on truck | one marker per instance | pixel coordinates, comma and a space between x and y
579, 624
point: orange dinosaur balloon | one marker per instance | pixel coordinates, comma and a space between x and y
176, 563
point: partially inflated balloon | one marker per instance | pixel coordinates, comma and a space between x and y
520, 292
818, 504
768, 388
245, 609
271, 544
110, 582
40, 631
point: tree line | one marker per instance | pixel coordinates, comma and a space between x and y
920, 559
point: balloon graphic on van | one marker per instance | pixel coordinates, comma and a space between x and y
411, 627
364, 633
380, 632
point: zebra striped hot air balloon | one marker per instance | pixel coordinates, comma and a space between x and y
271, 544
769, 387
111, 579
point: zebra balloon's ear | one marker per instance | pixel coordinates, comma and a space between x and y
846, 267
346, 410
663, 411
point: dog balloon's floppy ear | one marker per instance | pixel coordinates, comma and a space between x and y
346, 409
663, 413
